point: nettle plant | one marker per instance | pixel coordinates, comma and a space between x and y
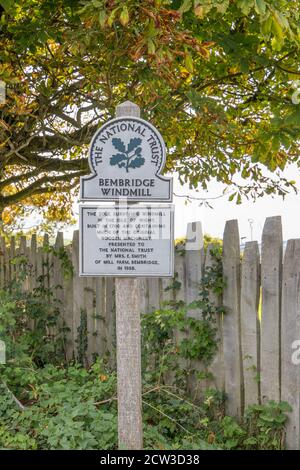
130, 156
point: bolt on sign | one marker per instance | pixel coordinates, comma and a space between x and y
126, 158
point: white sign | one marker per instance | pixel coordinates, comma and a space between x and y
131, 241
126, 158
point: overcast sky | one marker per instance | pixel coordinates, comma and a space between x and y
213, 220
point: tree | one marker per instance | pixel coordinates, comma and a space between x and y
215, 76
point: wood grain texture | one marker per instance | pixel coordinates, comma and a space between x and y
89, 307
68, 309
100, 338
194, 254
128, 331
231, 320
12, 254
153, 294
129, 364
2, 262
250, 293
216, 368
78, 290
271, 271
290, 336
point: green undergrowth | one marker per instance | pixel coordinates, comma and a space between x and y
46, 403
58, 407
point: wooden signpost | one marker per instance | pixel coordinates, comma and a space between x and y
128, 241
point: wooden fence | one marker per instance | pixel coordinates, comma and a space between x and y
257, 336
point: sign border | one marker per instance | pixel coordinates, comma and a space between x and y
127, 274
93, 174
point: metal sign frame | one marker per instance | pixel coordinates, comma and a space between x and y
145, 274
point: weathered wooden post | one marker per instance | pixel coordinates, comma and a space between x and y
127, 241
128, 330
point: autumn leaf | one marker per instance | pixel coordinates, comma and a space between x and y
124, 17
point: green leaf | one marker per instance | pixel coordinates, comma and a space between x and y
119, 144
186, 6
112, 16
293, 118
222, 7
260, 7
124, 16
285, 406
151, 46
102, 18
7, 4
277, 30
245, 6
266, 26
188, 61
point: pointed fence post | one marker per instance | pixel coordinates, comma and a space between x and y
250, 327
290, 336
194, 254
232, 320
271, 273
129, 347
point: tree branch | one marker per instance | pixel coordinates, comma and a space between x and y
38, 188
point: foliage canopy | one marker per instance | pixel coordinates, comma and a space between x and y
215, 76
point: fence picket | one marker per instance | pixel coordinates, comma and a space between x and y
144, 296
78, 297
32, 260
23, 260
46, 262
89, 307
216, 368
153, 293
68, 309
290, 379
12, 254
110, 320
6, 256
179, 296
271, 270
100, 337
194, 254
39, 265
250, 294
248, 346
193, 264
231, 320
179, 291
166, 291
2, 262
